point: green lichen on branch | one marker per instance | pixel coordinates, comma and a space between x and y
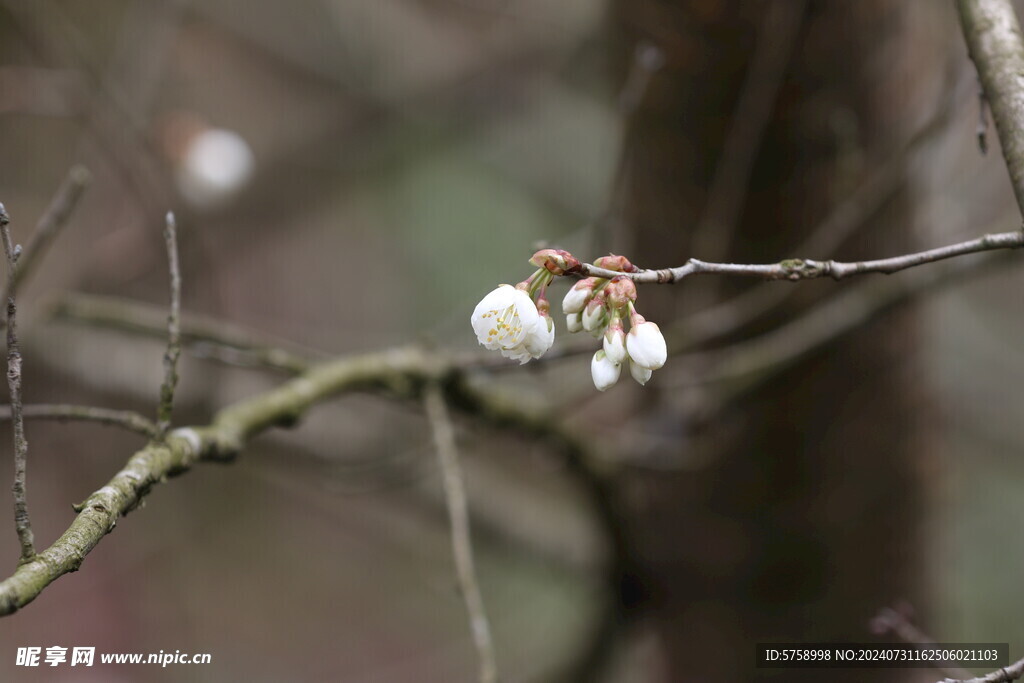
402, 371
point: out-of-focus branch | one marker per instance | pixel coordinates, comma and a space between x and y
126, 419
828, 235
49, 226
759, 358
807, 269
173, 351
399, 373
22, 523
765, 73
204, 336
994, 40
890, 620
458, 516
1009, 673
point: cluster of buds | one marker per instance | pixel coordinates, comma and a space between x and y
601, 307
516, 320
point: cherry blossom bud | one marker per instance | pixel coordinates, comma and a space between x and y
595, 315
615, 342
556, 261
604, 372
646, 345
640, 373
615, 262
574, 321
576, 298
619, 292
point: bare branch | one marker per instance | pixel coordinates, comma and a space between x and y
994, 40
173, 332
462, 548
807, 269
829, 234
889, 620
759, 358
1004, 675
126, 419
205, 337
49, 226
22, 523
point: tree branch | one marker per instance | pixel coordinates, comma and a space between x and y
807, 269
22, 523
49, 226
206, 337
462, 548
763, 356
173, 352
126, 419
994, 40
1004, 675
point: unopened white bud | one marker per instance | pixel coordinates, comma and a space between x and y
594, 315
646, 345
576, 298
640, 373
604, 372
574, 321
615, 344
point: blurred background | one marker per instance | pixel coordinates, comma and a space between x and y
351, 175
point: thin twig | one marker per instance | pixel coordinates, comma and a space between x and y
126, 419
889, 620
173, 333
807, 269
829, 234
49, 226
462, 549
993, 38
1003, 675
205, 337
757, 359
22, 523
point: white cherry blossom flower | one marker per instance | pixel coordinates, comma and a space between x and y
574, 322
507, 320
542, 339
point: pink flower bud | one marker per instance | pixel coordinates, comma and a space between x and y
615, 262
619, 292
556, 261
